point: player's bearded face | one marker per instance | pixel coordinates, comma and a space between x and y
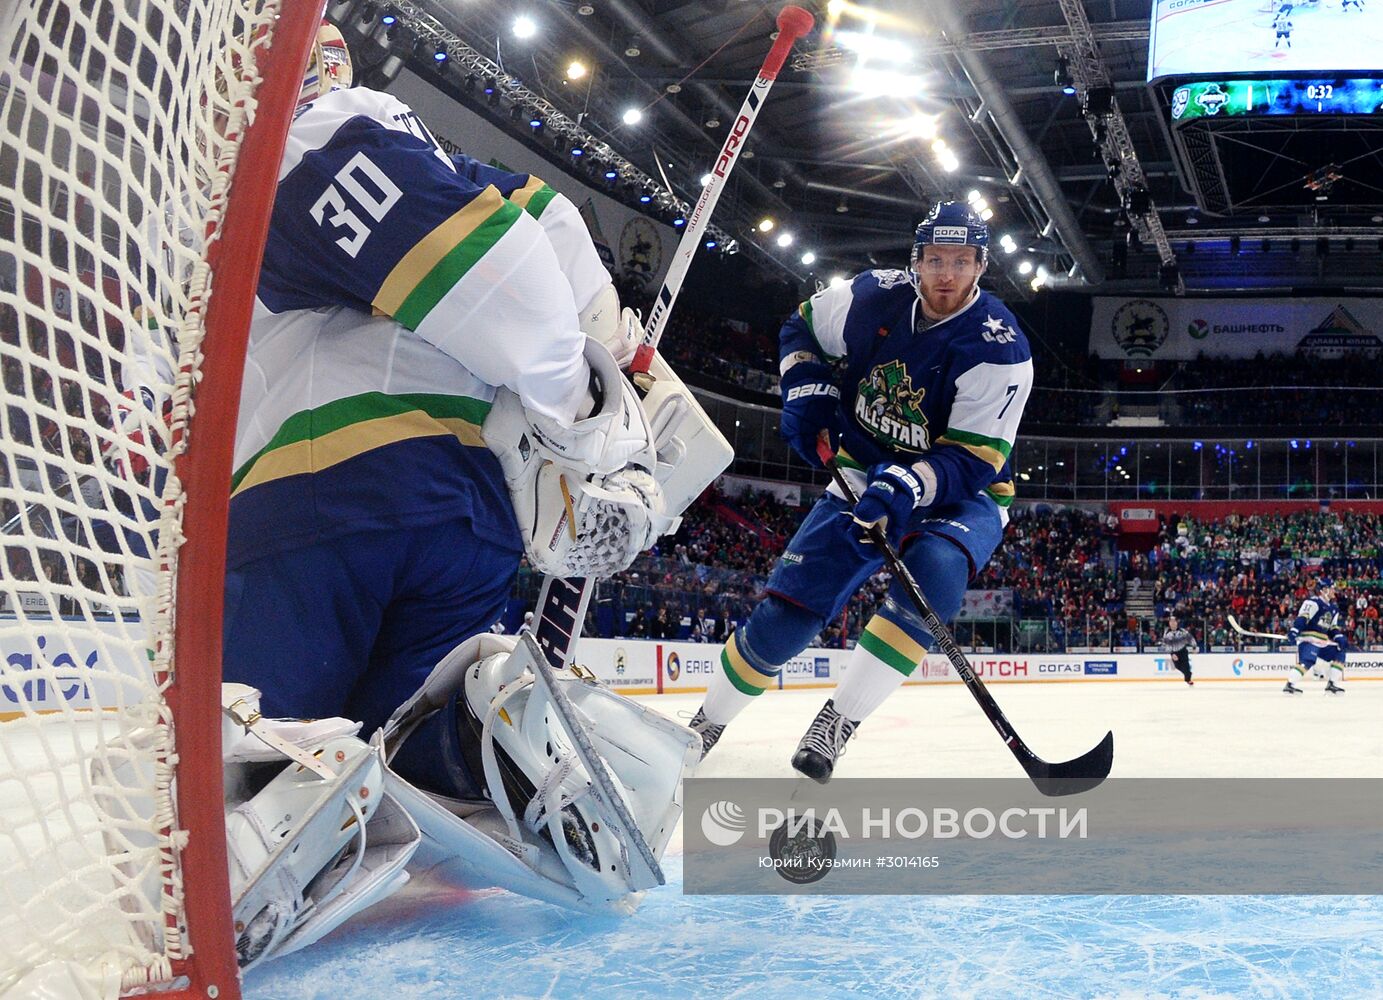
946, 276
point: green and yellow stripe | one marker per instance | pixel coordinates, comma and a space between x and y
847, 461
424, 275
328, 435
889, 643
987, 449
1001, 493
745, 678
533, 197
805, 311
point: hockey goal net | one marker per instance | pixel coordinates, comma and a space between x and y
138, 148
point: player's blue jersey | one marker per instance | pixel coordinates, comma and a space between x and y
952, 392
397, 293
1318, 623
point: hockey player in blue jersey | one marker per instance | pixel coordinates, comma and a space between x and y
919, 379
1319, 637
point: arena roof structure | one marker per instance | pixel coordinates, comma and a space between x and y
1041, 108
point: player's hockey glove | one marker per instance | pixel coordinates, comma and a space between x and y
1292, 634
894, 492
1340, 640
811, 404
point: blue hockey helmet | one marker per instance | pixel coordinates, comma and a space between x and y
1325, 583
952, 223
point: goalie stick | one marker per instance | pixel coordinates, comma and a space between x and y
1068, 777
562, 603
1234, 624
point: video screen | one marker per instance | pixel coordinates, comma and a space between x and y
1241, 98
1211, 37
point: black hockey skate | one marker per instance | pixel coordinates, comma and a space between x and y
823, 744
708, 731
1291, 689
1332, 688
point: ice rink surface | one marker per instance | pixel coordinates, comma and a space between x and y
431, 942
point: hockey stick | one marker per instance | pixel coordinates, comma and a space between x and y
562, 603
1257, 635
1062, 778
793, 23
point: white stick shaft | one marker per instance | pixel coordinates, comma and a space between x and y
700, 216
1257, 635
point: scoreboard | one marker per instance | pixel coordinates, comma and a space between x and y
1245, 98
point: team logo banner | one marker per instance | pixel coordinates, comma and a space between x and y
1000, 836
1184, 329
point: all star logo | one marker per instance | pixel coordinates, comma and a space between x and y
889, 278
890, 407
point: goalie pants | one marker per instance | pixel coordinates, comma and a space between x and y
353, 626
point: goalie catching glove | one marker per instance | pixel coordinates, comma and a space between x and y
584, 493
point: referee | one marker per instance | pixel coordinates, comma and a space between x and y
1178, 641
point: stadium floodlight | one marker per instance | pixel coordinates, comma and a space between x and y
808, 258
837, 280
870, 46
785, 240
765, 225
524, 26
1025, 268
576, 69
632, 116
1062, 77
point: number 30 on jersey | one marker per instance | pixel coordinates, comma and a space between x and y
332, 208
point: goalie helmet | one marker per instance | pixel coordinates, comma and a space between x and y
952, 223
328, 65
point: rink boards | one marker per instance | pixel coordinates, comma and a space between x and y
77, 667
647, 666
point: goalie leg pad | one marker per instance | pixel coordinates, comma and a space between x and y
317, 843
557, 840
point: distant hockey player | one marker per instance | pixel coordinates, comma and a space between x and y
922, 408
1282, 25
1319, 637
371, 528
1177, 641
1356, 4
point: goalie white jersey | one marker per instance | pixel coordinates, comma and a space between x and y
433, 289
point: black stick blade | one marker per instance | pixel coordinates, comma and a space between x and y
1071, 777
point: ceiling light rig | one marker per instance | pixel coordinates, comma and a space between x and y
464, 66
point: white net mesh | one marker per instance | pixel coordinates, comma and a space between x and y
119, 126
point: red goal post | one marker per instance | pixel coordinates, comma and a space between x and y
139, 144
